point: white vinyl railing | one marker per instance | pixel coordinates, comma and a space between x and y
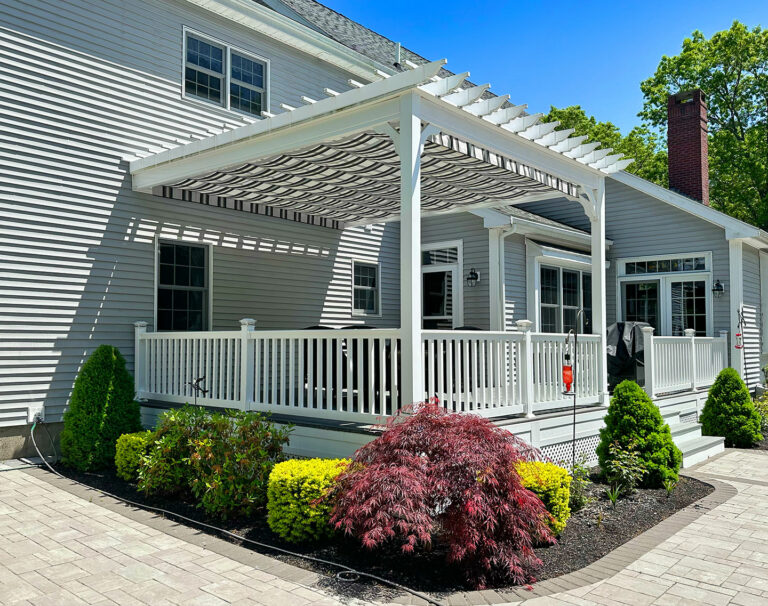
355, 374
496, 373
674, 364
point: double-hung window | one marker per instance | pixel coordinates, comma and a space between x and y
221, 74
182, 287
365, 288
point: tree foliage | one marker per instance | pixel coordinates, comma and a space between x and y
641, 143
101, 409
450, 477
731, 68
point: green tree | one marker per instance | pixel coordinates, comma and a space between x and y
731, 68
100, 410
641, 143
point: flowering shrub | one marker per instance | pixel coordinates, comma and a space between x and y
551, 483
296, 508
129, 450
452, 477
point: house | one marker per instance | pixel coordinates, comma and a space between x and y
300, 216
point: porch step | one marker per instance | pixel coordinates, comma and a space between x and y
682, 432
696, 450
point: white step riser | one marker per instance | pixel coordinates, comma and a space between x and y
702, 455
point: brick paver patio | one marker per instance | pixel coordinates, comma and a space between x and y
61, 546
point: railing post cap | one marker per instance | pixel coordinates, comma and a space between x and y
247, 324
524, 325
723, 333
690, 332
140, 324
648, 329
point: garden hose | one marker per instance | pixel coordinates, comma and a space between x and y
346, 574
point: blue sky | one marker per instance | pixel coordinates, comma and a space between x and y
588, 53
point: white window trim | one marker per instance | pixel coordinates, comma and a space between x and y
550, 256
156, 280
458, 314
356, 313
228, 48
664, 279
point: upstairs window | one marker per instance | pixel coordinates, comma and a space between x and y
223, 75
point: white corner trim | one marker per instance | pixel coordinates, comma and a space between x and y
268, 22
734, 228
764, 300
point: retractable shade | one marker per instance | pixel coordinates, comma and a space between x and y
337, 159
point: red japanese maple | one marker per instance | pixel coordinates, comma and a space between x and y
452, 477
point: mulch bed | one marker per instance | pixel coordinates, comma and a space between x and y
761, 445
590, 534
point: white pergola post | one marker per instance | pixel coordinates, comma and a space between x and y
736, 295
597, 220
496, 278
409, 149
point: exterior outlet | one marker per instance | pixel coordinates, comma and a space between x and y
35, 414
687, 145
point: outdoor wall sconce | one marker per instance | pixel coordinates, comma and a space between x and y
718, 289
473, 278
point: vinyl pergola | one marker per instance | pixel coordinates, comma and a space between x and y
409, 145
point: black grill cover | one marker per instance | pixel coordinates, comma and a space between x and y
625, 352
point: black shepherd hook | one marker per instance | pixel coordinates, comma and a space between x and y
197, 388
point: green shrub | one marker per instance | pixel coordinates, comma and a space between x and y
165, 470
634, 422
129, 450
101, 409
221, 459
729, 412
624, 469
231, 459
297, 509
551, 483
580, 484
761, 406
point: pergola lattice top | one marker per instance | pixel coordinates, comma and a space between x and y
353, 177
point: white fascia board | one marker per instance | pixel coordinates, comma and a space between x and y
492, 218
348, 113
734, 228
477, 131
557, 234
279, 27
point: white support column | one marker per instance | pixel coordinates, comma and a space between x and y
690, 334
526, 367
648, 360
247, 370
409, 149
139, 360
597, 220
496, 278
736, 298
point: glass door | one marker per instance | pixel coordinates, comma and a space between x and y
640, 301
688, 300
438, 298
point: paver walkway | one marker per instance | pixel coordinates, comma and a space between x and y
59, 548
719, 559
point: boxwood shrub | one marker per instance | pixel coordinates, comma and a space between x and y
634, 423
129, 451
552, 484
729, 412
298, 506
101, 409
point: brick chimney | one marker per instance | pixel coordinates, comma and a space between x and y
687, 145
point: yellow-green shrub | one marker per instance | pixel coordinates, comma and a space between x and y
552, 484
129, 449
294, 487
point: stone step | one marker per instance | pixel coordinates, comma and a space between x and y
699, 449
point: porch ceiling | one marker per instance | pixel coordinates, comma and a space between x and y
337, 158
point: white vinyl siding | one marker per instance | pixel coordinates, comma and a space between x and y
752, 316
87, 85
515, 295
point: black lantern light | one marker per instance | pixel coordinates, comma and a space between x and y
718, 289
473, 278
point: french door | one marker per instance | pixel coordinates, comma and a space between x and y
669, 303
440, 297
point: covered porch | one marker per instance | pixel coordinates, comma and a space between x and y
417, 144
